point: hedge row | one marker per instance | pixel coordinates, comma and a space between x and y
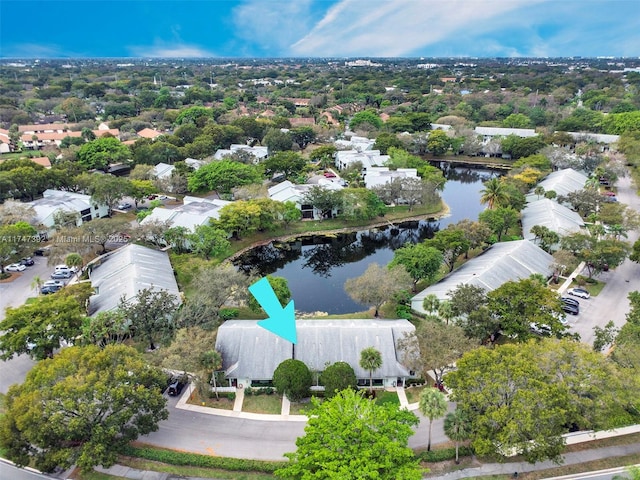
196, 460
444, 454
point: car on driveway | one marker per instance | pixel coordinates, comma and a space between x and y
176, 385
540, 329
572, 309
27, 262
124, 206
579, 292
570, 301
61, 274
15, 267
45, 290
53, 283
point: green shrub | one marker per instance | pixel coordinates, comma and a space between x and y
196, 460
229, 313
415, 381
444, 454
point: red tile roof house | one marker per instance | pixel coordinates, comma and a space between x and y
149, 133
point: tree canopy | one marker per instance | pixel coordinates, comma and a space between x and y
349, 436
81, 407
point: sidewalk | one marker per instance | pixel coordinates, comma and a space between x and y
572, 458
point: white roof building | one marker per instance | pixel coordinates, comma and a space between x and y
251, 353
126, 271
162, 170
289, 192
501, 263
550, 214
377, 176
54, 201
369, 158
562, 182
192, 213
259, 153
488, 133
194, 163
359, 144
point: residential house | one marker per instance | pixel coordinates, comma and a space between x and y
258, 153
562, 182
250, 354
368, 159
490, 134
354, 142
55, 201
500, 263
162, 171
126, 271
192, 213
289, 192
377, 176
149, 133
547, 213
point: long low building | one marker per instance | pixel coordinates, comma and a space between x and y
501, 263
250, 354
547, 213
126, 271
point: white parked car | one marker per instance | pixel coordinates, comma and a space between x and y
579, 292
15, 267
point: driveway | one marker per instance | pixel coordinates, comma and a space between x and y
14, 293
612, 302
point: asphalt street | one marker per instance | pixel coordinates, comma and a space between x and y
612, 302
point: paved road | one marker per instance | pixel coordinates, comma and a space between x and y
10, 472
13, 294
612, 303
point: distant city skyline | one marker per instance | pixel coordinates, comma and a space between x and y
318, 28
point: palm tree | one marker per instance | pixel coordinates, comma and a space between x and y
539, 191
370, 360
431, 303
457, 428
74, 260
445, 311
494, 193
211, 360
432, 404
36, 283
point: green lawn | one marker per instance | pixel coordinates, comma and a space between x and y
270, 404
413, 393
383, 397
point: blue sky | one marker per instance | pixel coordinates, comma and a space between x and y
319, 28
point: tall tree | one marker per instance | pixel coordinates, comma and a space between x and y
435, 347
39, 328
377, 285
432, 404
420, 260
102, 152
82, 407
494, 193
457, 428
524, 397
452, 242
349, 436
293, 379
151, 313
370, 360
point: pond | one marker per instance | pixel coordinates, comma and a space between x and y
317, 267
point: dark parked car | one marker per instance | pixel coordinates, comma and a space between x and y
43, 251
47, 289
176, 385
27, 261
572, 309
570, 301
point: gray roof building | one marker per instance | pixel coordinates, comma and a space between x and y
250, 352
126, 271
555, 217
501, 263
562, 182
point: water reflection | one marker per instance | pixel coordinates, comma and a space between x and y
316, 267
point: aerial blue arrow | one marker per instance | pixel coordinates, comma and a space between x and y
281, 321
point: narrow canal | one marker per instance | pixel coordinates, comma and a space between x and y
317, 267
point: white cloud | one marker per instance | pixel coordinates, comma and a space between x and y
272, 25
170, 51
34, 50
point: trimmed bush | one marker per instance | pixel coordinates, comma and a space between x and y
293, 378
444, 454
196, 460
